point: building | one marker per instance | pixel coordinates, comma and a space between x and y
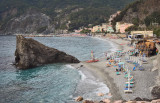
113, 16
97, 28
137, 36
143, 34
121, 27
110, 29
104, 27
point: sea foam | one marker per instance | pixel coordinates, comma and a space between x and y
83, 77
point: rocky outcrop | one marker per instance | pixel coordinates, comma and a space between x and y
79, 98
30, 22
156, 92
30, 53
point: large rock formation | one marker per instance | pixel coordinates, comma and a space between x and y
30, 53
156, 92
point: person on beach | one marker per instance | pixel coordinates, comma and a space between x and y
156, 51
121, 69
92, 55
106, 55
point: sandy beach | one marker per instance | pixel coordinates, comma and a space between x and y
144, 80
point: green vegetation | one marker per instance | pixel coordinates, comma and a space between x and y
157, 32
136, 21
61, 11
153, 18
42, 29
132, 6
85, 31
88, 16
131, 28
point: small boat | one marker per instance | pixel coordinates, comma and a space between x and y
91, 61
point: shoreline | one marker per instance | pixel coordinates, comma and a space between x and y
97, 70
108, 76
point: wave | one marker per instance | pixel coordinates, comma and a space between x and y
70, 66
83, 77
114, 47
102, 88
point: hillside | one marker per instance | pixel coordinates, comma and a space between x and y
141, 12
64, 14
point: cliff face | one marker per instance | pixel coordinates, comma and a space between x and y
30, 22
139, 9
30, 53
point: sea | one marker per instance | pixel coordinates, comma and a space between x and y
52, 83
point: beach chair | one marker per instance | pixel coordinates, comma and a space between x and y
141, 68
144, 62
126, 76
134, 68
128, 90
117, 73
129, 86
128, 61
130, 82
134, 63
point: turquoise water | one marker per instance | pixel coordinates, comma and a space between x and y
53, 83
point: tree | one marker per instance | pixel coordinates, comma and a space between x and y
157, 32
85, 31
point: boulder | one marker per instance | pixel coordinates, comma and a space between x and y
88, 101
146, 99
78, 99
156, 92
131, 102
156, 101
138, 99
100, 94
118, 101
31, 53
106, 101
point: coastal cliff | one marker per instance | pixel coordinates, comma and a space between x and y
30, 53
30, 22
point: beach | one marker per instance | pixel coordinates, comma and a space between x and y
144, 80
